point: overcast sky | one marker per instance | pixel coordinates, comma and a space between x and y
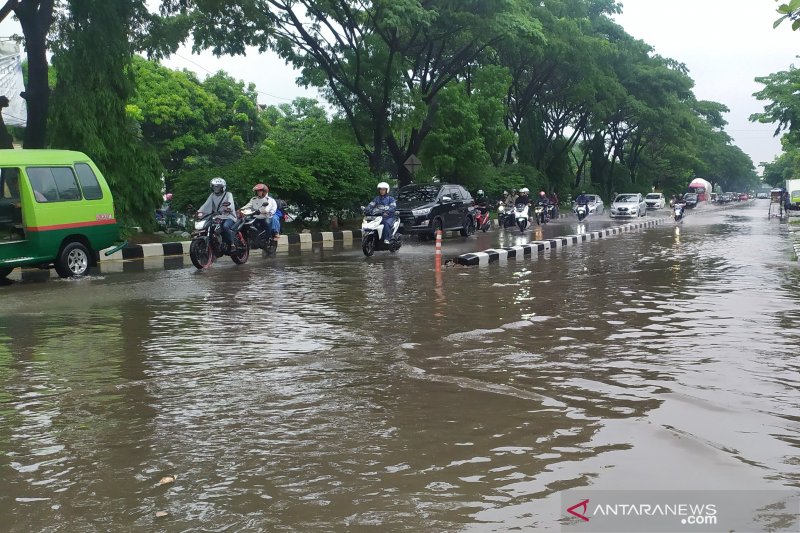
724, 43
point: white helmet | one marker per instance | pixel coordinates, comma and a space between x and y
218, 185
384, 185
524, 190
480, 192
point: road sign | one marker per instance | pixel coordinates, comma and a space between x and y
412, 163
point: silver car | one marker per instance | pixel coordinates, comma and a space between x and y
628, 205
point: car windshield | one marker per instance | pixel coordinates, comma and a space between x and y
690, 196
418, 193
653, 196
626, 198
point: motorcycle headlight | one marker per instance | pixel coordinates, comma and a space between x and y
199, 224
421, 212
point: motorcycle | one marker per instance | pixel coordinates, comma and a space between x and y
505, 215
207, 244
482, 220
677, 212
521, 214
256, 237
542, 214
372, 234
582, 210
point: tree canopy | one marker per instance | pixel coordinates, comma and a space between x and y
487, 93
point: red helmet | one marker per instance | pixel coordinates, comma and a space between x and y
260, 187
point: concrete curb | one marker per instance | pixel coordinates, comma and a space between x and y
303, 240
523, 251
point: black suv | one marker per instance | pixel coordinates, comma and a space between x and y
690, 199
423, 209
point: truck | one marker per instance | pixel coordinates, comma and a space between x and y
702, 188
793, 191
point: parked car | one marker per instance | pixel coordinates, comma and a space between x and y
628, 205
763, 196
655, 200
724, 198
690, 199
423, 209
595, 204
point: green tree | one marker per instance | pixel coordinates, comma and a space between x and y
92, 57
194, 124
370, 56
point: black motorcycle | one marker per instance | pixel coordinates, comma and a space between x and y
257, 236
207, 244
506, 217
542, 214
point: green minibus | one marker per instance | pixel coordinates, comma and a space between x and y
55, 210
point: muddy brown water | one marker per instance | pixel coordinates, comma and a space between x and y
340, 393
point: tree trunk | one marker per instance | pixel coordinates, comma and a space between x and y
36, 18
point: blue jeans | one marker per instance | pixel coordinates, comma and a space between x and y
227, 230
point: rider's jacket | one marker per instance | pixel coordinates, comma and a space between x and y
383, 201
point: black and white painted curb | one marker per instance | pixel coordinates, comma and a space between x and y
303, 240
533, 248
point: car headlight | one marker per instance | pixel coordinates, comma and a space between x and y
421, 212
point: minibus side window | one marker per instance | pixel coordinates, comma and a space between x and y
10, 207
53, 184
91, 188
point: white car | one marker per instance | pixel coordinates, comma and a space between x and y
629, 205
655, 200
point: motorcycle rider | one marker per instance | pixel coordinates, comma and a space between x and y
510, 198
388, 205
221, 202
554, 203
543, 201
267, 211
582, 199
523, 198
481, 202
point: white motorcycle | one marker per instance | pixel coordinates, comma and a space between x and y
521, 214
372, 234
677, 211
582, 210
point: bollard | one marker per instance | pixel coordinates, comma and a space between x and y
438, 250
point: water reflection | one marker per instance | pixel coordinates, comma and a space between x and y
337, 393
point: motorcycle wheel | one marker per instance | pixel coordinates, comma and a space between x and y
241, 255
368, 245
201, 254
521, 224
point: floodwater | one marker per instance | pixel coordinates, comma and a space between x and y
339, 393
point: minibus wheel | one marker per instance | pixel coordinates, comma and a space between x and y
5, 271
73, 261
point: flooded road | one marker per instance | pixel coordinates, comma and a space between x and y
339, 393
